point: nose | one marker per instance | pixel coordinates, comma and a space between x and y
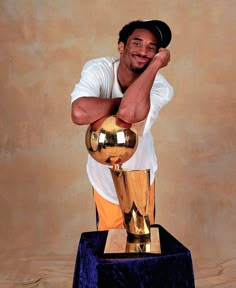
142, 50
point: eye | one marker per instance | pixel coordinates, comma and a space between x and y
152, 48
137, 44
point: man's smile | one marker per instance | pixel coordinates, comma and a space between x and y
141, 59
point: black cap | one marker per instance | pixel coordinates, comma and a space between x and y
159, 28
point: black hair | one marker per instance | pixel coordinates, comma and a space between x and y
128, 29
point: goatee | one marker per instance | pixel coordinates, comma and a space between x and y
138, 70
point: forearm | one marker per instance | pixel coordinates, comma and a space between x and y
86, 110
135, 103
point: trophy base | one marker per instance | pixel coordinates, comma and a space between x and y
117, 242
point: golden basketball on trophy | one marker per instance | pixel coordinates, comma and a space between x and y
109, 143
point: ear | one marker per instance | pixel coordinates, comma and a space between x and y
121, 47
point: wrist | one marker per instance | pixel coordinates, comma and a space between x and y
115, 105
156, 64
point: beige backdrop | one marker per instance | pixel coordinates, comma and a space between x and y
45, 195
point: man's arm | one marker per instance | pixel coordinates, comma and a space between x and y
86, 110
135, 103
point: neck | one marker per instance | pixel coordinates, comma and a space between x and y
125, 77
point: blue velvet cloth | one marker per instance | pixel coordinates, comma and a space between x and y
172, 268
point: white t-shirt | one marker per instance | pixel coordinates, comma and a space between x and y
99, 79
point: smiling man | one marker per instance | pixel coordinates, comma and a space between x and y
131, 87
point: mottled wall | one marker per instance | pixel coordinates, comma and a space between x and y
44, 191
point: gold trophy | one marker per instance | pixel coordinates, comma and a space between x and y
112, 144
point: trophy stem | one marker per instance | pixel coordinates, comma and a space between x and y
132, 188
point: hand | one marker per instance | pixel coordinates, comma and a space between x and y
122, 123
162, 57
96, 124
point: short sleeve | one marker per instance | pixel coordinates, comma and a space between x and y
96, 79
89, 84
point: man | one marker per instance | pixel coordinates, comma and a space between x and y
130, 87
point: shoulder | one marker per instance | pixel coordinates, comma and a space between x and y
105, 63
162, 87
160, 77
161, 81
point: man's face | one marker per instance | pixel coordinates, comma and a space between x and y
139, 50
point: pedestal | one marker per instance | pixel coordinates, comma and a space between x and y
94, 268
